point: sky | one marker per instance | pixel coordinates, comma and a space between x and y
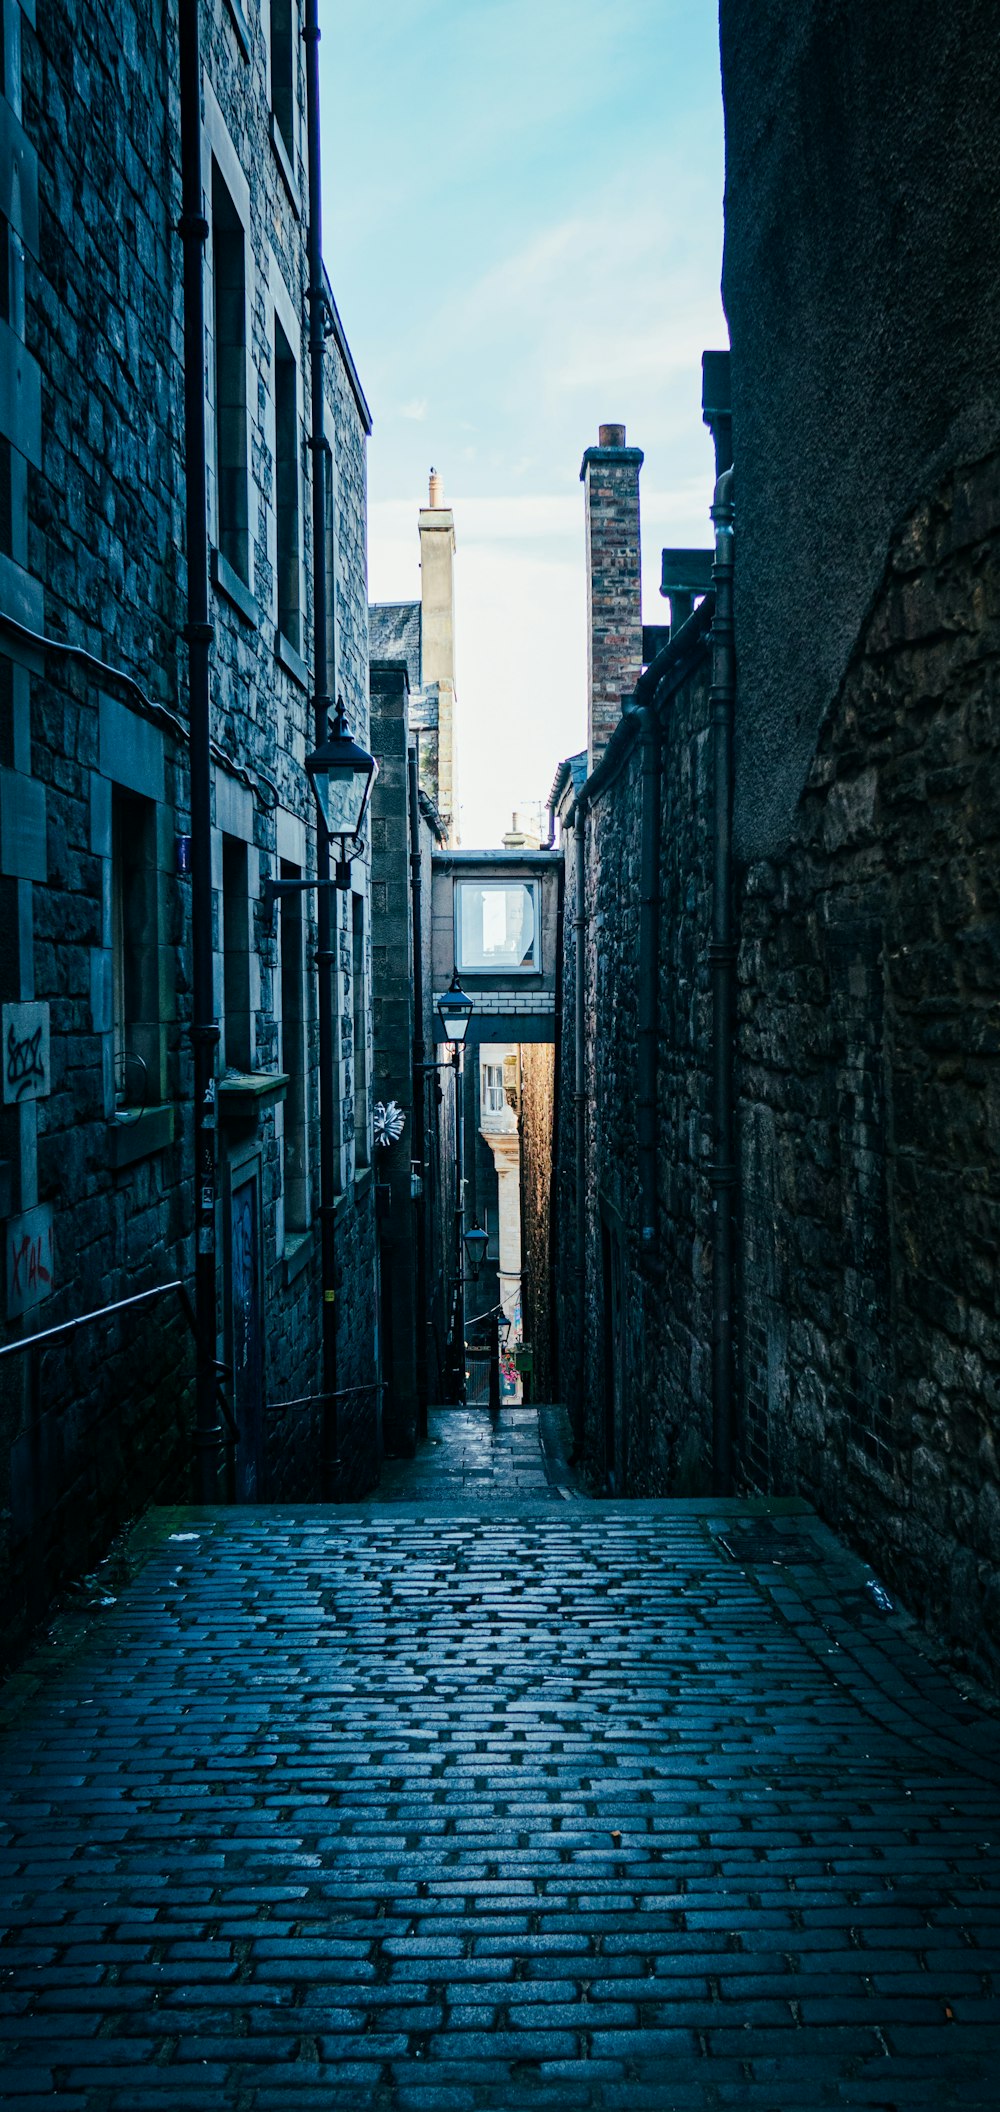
523, 228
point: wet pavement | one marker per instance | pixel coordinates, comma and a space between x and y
458, 1801
510, 1456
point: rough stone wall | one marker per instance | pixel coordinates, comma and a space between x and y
870, 1091
103, 516
862, 288
536, 1124
638, 1353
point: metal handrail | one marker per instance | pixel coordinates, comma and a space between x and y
47, 1335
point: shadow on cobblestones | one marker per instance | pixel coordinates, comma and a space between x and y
507, 1803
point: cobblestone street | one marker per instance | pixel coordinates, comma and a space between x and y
471, 1800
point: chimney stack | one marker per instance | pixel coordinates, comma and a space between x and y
610, 478
437, 641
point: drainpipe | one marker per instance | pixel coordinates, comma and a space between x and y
648, 989
418, 1129
722, 956
199, 632
580, 1088
322, 470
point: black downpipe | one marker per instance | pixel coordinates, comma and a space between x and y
648, 990
323, 678
199, 632
418, 1133
722, 956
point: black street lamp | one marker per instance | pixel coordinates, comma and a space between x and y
341, 774
455, 1011
476, 1242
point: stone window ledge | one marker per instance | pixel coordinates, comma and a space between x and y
244, 1095
283, 159
362, 1182
290, 660
299, 1250
136, 1133
228, 583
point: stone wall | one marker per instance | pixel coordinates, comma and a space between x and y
870, 1091
99, 1163
536, 1124
634, 1363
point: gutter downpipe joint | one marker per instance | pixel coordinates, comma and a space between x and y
722, 959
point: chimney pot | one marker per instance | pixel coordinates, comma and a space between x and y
611, 436
436, 495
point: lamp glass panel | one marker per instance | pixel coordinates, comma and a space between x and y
345, 801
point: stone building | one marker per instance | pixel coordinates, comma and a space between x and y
862, 280
415, 1171
95, 784
423, 634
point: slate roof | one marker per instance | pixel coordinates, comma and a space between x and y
394, 634
572, 771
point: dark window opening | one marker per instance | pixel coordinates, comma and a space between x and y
286, 481
283, 70
5, 270
135, 958
293, 1036
236, 955
6, 501
229, 266
360, 1049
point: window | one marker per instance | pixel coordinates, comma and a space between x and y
230, 324
236, 956
283, 70
135, 961
286, 486
493, 1094
360, 1033
6, 501
496, 925
5, 270
295, 1182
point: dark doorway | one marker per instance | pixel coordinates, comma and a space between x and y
245, 1329
612, 1271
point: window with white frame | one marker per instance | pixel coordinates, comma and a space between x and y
493, 1094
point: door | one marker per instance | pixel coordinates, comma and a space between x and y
245, 1329
613, 1353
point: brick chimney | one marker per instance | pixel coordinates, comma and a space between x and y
610, 478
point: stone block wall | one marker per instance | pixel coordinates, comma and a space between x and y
869, 1106
633, 1357
100, 563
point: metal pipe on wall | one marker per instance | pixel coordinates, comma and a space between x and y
722, 957
418, 1131
323, 685
199, 632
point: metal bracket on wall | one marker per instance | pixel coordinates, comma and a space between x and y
273, 889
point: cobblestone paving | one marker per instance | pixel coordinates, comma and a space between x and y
566, 1805
473, 1456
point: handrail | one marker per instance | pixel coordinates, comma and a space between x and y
47, 1335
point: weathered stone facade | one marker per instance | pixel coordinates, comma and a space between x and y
633, 1336
870, 1090
95, 825
865, 821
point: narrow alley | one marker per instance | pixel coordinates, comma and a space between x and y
484, 1794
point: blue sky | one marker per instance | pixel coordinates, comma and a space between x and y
523, 224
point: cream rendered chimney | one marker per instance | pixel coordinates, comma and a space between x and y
437, 603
